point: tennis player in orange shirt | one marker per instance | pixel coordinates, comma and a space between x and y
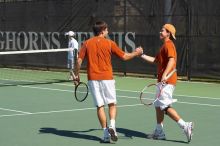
98, 51
166, 62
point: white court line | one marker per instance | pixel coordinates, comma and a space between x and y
28, 113
179, 80
93, 108
5, 109
54, 89
201, 97
16, 81
63, 84
136, 78
43, 88
201, 104
61, 111
211, 105
194, 103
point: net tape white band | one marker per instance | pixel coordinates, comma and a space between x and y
35, 51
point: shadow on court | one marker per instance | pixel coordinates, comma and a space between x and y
178, 141
72, 134
127, 133
170, 140
122, 132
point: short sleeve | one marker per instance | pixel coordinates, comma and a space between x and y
116, 50
170, 50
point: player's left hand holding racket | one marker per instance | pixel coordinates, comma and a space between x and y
81, 89
147, 95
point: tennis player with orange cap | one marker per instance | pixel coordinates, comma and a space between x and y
166, 60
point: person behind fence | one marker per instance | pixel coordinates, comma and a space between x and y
72, 44
98, 51
166, 61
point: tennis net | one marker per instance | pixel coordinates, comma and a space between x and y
33, 67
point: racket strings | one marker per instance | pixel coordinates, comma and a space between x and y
148, 95
81, 92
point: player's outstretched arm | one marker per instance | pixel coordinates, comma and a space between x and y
138, 51
147, 58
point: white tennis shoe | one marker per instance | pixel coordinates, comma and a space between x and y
188, 130
113, 133
158, 134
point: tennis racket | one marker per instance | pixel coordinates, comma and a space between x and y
81, 91
147, 95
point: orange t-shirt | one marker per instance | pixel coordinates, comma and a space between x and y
167, 51
98, 51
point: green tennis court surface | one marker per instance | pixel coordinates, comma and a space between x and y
39, 109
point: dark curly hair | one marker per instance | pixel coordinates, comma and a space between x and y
98, 27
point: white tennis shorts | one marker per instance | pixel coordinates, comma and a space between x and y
103, 92
166, 96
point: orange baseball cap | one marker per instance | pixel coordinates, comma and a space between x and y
171, 29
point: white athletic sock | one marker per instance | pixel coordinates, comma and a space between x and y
112, 122
181, 123
159, 126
